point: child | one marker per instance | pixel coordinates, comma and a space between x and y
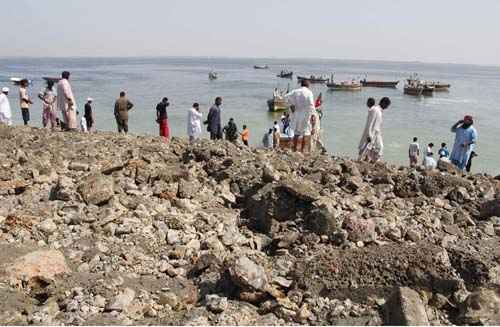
429, 162
245, 135
443, 152
414, 152
83, 123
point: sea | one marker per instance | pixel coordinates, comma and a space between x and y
475, 90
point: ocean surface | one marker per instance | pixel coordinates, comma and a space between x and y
475, 90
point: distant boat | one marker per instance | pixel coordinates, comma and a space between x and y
17, 80
213, 76
313, 79
385, 84
439, 87
344, 86
285, 74
261, 67
52, 79
419, 89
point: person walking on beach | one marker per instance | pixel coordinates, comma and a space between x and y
162, 118
443, 152
49, 101
245, 135
5, 110
194, 122
371, 146
429, 161
267, 140
231, 131
89, 114
214, 120
302, 102
66, 102
465, 142
414, 152
363, 145
25, 101
122, 107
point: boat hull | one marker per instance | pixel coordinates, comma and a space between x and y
342, 87
276, 105
441, 87
289, 75
312, 80
383, 84
415, 91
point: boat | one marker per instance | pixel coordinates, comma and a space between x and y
261, 67
52, 79
344, 86
17, 80
277, 104
419, 89
212, 76
439, 87
385, 84
313, 79
285, 74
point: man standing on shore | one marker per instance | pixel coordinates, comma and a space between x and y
122, 107
162, 118
194, 122
214, 120
66, 102
231, 131
371, 145
5, 111
414, 152
25, 101
302, 101
89, 114
465, 141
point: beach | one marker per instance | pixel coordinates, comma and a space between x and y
246, 90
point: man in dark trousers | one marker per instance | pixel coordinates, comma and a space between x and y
122, 107
231, 131
89, 115
214, 120
162, 118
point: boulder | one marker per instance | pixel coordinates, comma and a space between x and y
97, 189
405, 308
360, 229
216, 304
247, 274
481, 307
121, 301
323, 218
302, 189
447, 166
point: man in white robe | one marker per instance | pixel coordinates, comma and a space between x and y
5, 111
302, 101
66, 102
194, 122
371, 146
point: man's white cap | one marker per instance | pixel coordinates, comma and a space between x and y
90, 99
5, 90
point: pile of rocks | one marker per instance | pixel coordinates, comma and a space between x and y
110, 229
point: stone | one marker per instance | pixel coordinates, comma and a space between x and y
38, 265
405, 308
169, 298
96, 189
216, 304
188, 189
323, 218
78, 166
360, 229
481, 307
173, 237
490, 209
302, 189
447, 166
459, 195
246, 273
47, 226
121, 301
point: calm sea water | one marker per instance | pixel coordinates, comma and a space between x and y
475, 90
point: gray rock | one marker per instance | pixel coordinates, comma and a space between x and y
97, 189
47, 226
216, 304
481, 307
246, 273
405, 308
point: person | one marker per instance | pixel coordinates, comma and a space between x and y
443, 152
89, 114
468, 168
276, 138
316, 143
245, 135
214, 120
371, 146
231, 131
414, 152
194, 122
25, 101
302, 102
66, 101
286, 124
122, 107
83, 123
267, 140
277, 126
49, 100
162, 118
429, 162
465, 142
5, 111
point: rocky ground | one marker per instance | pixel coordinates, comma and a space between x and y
108, 229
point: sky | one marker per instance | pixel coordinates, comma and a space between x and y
446, 31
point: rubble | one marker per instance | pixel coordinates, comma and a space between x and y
101, 228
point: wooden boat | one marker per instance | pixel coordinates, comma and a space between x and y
385, 84
212, 76
313, 79
285, 74
261, 67
344, 86
277, 105
428, 90
52, 79
419, 89
438, 87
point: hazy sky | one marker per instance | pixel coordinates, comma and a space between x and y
460, 31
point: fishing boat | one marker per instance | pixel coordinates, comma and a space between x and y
384, 84
212, 76
52, 79
285, 74
261, 67
313, 79
277, 104
439, 87
419, 89
17, 80
344, 86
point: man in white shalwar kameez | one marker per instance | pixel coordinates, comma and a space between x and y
66, 102
371, 146
303, 101
194, 122
5, 111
